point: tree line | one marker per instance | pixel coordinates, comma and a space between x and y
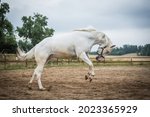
140, 50
35, 28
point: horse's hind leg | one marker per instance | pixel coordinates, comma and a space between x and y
38, 73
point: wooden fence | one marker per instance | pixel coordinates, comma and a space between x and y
9, 61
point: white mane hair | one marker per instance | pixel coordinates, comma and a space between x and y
87, 29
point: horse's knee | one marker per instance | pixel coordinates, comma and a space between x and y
38, 73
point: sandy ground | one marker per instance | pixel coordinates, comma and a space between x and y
110, 82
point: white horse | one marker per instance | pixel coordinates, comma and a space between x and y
76, 43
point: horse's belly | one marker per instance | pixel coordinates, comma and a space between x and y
63, 55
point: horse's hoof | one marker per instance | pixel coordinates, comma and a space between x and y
29, 86
90, 80
42, 89
49, 88
86, 77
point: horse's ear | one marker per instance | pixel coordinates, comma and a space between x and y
104, 47
112, 46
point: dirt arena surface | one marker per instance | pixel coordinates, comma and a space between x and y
110, 82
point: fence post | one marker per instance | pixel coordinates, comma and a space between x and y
26, 63
131, 61
104, 61
57, 61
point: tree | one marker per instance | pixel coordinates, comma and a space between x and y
7, 37
145, 50
34, 28
25, 45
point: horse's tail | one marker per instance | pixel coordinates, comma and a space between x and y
21, 55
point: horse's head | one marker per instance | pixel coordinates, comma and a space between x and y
103, 51
105, 47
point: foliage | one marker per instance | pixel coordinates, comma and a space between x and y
124, 50
140, 50
144, 50
7, 38
25, 45
34, 28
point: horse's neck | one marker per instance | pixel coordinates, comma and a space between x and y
108, 43
96, 38
104, 41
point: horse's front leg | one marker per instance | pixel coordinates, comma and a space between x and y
91, 73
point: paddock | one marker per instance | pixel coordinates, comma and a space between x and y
68, 82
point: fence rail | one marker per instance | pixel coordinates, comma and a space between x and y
9, 61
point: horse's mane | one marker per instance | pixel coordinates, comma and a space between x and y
86, 29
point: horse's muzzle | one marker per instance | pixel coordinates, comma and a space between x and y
100, 58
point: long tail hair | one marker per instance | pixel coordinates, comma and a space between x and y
21, 55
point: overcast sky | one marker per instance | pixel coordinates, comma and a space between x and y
124, 21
